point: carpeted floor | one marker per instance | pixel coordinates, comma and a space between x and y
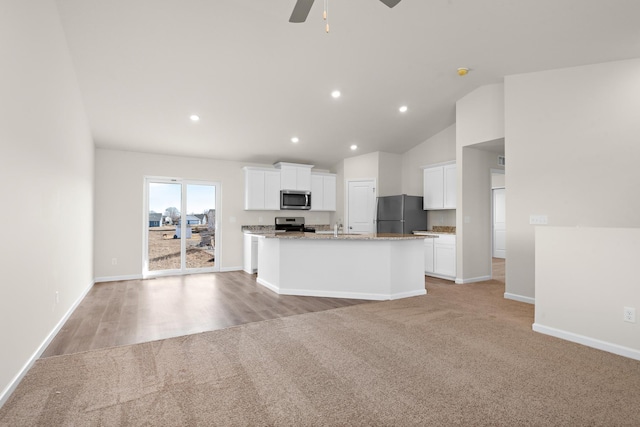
461, 355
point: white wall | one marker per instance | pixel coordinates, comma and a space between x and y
573, 154
119, 207
361, 167
479, 120
389, 176
46, 170
584, 278
498, 180
437, 149
480, 115
475, 215
338, 215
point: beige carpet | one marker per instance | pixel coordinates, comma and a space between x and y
460, 355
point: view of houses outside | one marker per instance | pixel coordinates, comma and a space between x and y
165, 218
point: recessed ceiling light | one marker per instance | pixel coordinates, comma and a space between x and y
336, 94
403, 109
354, 147
194, 118
463, 71
295, 139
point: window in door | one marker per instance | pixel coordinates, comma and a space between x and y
201, 220
181, 228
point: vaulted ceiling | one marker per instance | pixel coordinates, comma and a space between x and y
256, 80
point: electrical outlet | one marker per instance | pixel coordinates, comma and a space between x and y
629, 314
114, 261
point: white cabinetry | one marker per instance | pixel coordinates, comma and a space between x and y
294, 176
250, 253
444, 256
440, 183
261, 189
440, 256
428, 255
323, 192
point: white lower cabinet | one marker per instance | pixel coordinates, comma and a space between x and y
428, 255
250, 253
440, 256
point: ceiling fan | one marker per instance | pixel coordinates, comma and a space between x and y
302, 8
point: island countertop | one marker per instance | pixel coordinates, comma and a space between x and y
342, 236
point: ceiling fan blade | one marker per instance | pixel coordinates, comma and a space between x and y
301, 11
390, 3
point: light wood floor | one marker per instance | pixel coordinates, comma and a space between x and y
136, 311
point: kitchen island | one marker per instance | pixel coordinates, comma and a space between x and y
362, 266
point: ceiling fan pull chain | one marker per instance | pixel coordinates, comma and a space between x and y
325, 15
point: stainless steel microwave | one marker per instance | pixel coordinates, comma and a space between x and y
295, 200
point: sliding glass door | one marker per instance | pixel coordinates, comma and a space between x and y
180, 226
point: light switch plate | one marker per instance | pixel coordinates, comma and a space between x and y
538, 219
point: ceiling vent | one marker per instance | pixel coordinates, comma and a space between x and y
500, 160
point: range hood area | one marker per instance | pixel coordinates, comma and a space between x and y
265, 187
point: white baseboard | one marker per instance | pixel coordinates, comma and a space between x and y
409, 294
440, 276
473, 280
118, 278
338, 294
588, 341
140, 276
4, 395
268, 285
520, 298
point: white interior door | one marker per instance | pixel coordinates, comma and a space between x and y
361, 202
499, 223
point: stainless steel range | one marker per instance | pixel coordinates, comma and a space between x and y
292, 223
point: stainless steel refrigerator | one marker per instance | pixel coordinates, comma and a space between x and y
400, 214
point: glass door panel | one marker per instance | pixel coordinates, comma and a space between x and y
163, 237
200, 221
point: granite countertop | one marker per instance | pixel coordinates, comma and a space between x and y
431, 233
342, 236
270, 229
438, 229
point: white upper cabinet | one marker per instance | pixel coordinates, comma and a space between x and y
450, 186
433, 188
294, 176
440, 184
261, 189
323, 192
